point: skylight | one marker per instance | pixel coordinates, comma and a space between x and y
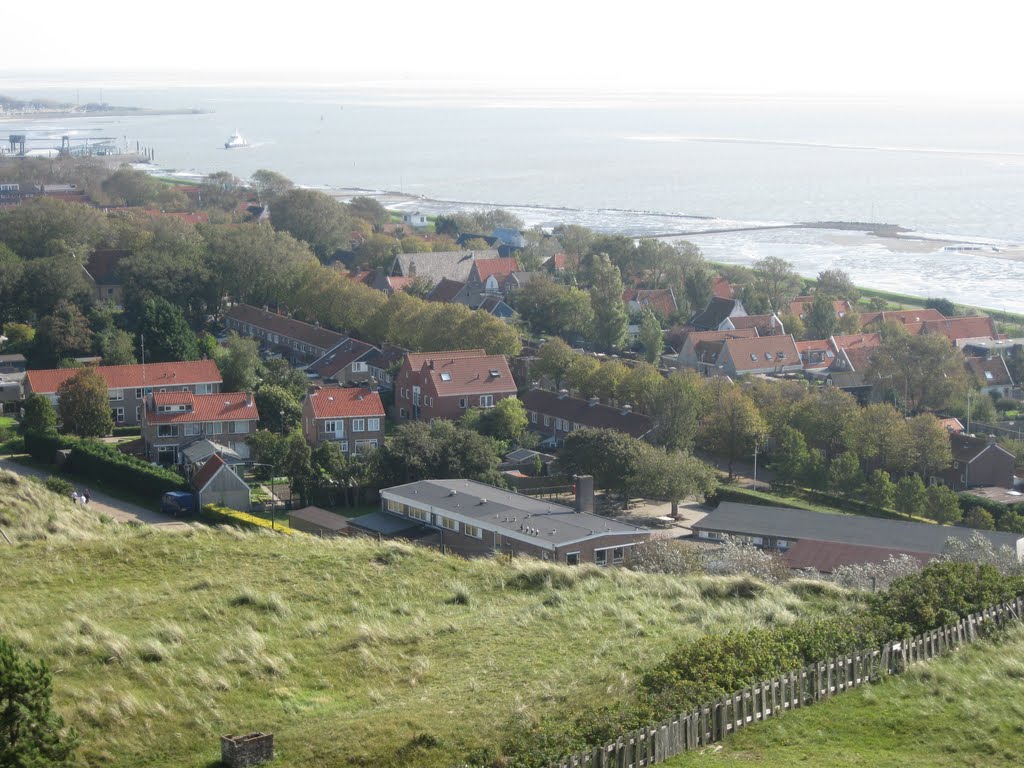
753, 357
767, 355
988, 375
446, 376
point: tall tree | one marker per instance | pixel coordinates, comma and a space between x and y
844, 475
777, 280
65, 333
239, 363
910, 496
46, 226
32, 734
270, 184
942, 505
669, 476
315, 217
551, 308
83, 405
116, 347
220, 190
880, 490
822, 418
929, 445
610, 317
678, 409
554, 360
879, 434
927, 371
733, 427
651, 336
837, 284
789, 460
820, 320
279, 411
607, 454
168, 337
40, 417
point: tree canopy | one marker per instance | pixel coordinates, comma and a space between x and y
83, 405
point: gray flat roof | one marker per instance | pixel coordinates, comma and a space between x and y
383, 523
512, 514
320, 517
796, 524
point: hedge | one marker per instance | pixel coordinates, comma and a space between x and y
105, 464
812, 501
127, 431
43, 446
218, 515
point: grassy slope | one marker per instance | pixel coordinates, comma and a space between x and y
966, 709
346, 650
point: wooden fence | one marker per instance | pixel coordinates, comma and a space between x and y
798, 688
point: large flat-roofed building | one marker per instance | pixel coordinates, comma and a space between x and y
473, 519
824, 541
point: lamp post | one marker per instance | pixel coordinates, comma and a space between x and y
273, 493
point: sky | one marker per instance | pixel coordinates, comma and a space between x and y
934, 49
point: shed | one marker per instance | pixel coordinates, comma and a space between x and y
217, 483
319, 522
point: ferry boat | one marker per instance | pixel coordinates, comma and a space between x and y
235, 141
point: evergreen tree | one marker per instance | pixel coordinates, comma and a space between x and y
651, 337
880, 490
168, 337
610, 317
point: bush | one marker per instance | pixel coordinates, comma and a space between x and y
103, 463
127, 431
59, 485
218, 515
43, 446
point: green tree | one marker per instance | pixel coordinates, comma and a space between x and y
270, 184
19, 335
117, 347
678, 409
279, 373
945, 307
575, 240
11, 271
610, 456
911, 496
641, 387
837, 284
980, 518
776, 280
551, 308
40, 417
879, 433
315, 217
130, 187
65, 333
669, 476
651, 338
239, 363
942, 505
507, 420
269, 449
167, 336
369, 209
880, 490
32, 734
46, 226
298, 466
929, 445
220, 190
83, 405
377, 251
610, 317
607, 381
733, 427
844, 475
820, 320
279, 411
822, 418
439, 449
927, 370
790, 457
554, 360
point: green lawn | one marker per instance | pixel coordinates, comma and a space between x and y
352, 652
6, 422
966, 709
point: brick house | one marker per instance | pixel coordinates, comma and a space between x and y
475, 519
101, 270
977, 462
763, 354
700, 349
301, 342
991, 375
661, 301
174, 420
444, 385
555, 415
128, 386
348, 361
351, 417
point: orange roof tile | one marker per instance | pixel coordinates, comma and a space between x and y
781, 348
223, 406
343, 402
722, 288
662, 299
956, 328
497, 267
208, 470
133, 376
465, 371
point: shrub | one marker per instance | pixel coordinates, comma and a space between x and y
43, 446
103, 463
59, 485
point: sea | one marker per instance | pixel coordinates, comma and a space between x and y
729, 173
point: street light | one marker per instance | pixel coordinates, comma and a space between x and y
273, 493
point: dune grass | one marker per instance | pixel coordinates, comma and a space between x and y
965, 709
352, 652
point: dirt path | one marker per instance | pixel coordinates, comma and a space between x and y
122, 511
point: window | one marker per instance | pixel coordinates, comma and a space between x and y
359, 367
214, 427
204, 389
533, 417
988, 375
572, 558
767, 355
241, 427
601, 557
192, 429
450, 525
138, 413
115, 394
402, 413
358, 425
446, 376
344, 446
618, 554
138, 393
118, 414
336, 428
753, 357
780, 355
547, 420
373, 425
486, 401
167, 430
472, 530
462, 402
393, 506
417, 514
362, 445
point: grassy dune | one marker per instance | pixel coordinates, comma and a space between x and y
966, 709
352, 652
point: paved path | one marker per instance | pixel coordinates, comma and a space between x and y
122, 511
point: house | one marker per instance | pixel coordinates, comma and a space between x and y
764, 355
11, 390
448, 291
388, 284
516, 280
433, 267
527, 459
383, 364
826, 541
301, 342
13, 363
816, 355
348, 361
801, 305
444, 385
128, 386
911, 320
991, 375
714, 316
175, 420
318, 522
217, 483
415, 219
977, 461
962, 329
700, 349
474, 519
560, 263
486, 277
765, 325
722, 288
102, 271
661, 301
849, 358
555, 415
497, 306
352, 417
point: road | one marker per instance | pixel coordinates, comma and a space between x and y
122, 511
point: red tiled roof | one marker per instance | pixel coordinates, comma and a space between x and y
662, 299
781, 348
133, 376
901, 317
466, 371
446, 290
952, 425
697, 337
722, 288
761, 322
497, 267
989, 372
955, 328
855, 340
339, 357
343, 402
799, 306
560, 262
399, 283
223, 406
206, 473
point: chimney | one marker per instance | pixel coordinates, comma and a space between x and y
593, 400
584, 488
248, 399
626, 409
431, 364
563, 393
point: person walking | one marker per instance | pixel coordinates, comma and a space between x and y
86, 496
74, 497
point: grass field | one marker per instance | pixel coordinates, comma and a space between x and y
966, 709
352, 652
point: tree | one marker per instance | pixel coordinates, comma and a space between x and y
928, 371
844, 475
776, 279
837, 284
942, 505
669, 476
239, 363
11, 271
279, 373
554, 360
607, 454
117, 347
507, 420
610, 318
83, 405
168, 337
910, 496
820, 319
65, 333
551, 308
439, 449
32, 734
879, 433
40, 417
651, 337
789, 460
46, 226
268, 448
279, 411
575, 240
607, 381
678, 409
822, 418
19, 335
315, 217
377, 251
369, 209
733, 427
641, 387
929, 445
270, 184
945, 307
298, 466
794, 325
980, 518
126, 186
880, 490
220, 190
